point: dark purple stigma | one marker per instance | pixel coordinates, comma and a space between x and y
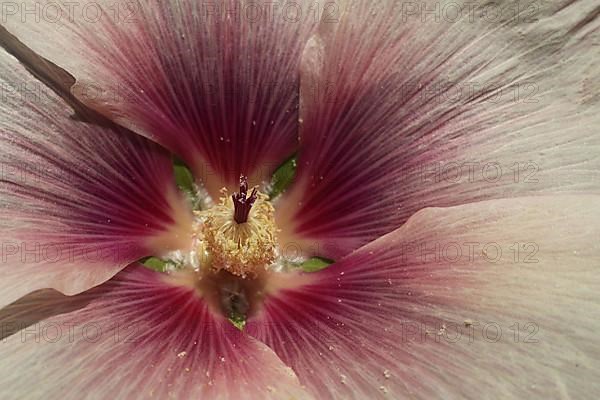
242, 203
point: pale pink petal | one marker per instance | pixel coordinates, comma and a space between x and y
404, 108
136, 336
77, 202
215, 82
494, 299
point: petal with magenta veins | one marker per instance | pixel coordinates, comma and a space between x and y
403, 109
77, 202
136, 336
214, 82
495, 297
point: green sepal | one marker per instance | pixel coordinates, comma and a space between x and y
154, 263
184, 177
239, 321
283, 177
315, 264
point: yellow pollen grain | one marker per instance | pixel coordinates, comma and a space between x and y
241, 249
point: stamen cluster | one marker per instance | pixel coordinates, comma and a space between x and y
238, 234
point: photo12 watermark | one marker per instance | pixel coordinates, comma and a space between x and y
451, 11
133, 11
69, 12
50, 331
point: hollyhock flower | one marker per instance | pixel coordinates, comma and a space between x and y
446, 167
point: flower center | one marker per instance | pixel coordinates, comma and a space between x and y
238, 234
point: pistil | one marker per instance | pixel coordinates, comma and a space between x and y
242, 203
